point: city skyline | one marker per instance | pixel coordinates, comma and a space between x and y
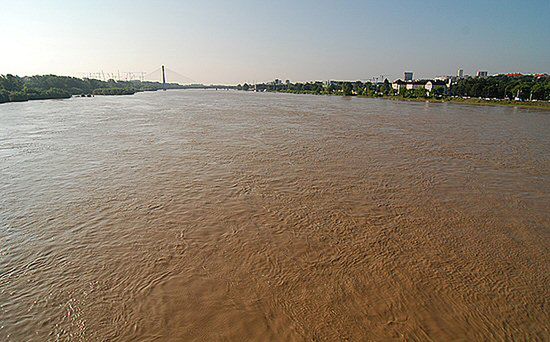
248, 41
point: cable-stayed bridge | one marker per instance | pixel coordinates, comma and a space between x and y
166, 76
170, 76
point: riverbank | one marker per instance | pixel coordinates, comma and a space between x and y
532, 91
543, 105
476, 102
44, 87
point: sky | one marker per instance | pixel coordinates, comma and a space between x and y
232, 42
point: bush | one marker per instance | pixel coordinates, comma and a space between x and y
76, 91
56, 93
4, 96
52, 93
18, 96
114, 91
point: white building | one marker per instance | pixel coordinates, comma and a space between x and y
429, 85
432, 84
397, 85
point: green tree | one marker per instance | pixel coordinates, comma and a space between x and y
420, 92
330, 89
4, 96
386, 87
347, 88
522, 90
18, 96
10, 82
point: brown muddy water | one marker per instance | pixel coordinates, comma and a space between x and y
216, 215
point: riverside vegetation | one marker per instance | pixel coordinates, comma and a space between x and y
527, 90
16, 89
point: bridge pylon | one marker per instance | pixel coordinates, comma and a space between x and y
163, 79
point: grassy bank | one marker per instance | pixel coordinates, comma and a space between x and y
544, 105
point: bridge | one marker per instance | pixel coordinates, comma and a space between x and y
166, 76
162, 74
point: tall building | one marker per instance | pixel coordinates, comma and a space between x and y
408, 76
481, 73
460, 73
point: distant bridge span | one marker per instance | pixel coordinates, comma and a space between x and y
167, 75
162, 74
212, 86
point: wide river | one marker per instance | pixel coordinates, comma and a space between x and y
221, 215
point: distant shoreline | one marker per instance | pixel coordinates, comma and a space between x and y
14, 88
542, 105
475, 102
517, 90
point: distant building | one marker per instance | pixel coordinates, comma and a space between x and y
537, 76
408, 75
432, 84
481, 73
416, 84
399, 84
444, 78
429, 85
460, 73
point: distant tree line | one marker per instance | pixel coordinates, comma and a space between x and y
14, 88
324, 88
528, 87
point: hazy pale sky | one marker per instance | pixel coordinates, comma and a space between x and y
245, 41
